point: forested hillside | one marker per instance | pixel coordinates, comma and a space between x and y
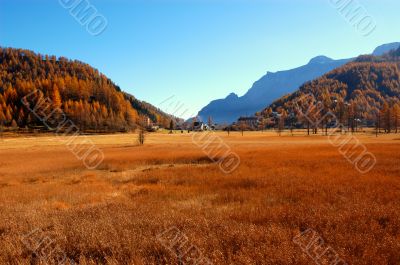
365, 91
87, 97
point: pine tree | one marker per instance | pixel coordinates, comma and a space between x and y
171, 126
209, 121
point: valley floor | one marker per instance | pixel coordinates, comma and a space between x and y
167, 202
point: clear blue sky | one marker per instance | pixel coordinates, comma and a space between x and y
196, 50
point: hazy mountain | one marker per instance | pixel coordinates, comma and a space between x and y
273, 86
385, 48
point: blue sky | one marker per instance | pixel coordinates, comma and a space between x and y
197, 50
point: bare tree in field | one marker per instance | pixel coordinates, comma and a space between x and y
347, 115
308, 127
242, 126
281, 125
306, 109
377, 123
325, 105
292, 120
281, 122
141, 135
261, 125
142, 130
209, 121
340, 112
226, 127
386, 117
171, 126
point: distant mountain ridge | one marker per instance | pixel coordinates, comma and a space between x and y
273, 86
381, 50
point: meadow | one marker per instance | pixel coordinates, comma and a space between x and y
114, 214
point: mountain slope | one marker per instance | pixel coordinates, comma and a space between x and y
272, 86
357, 90
265, 90
88, 98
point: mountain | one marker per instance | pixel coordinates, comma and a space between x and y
265, 90
272, 86
381, 50
77, 91
358, 90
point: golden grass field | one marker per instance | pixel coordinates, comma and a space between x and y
283, 186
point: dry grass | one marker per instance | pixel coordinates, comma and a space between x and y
284, 185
